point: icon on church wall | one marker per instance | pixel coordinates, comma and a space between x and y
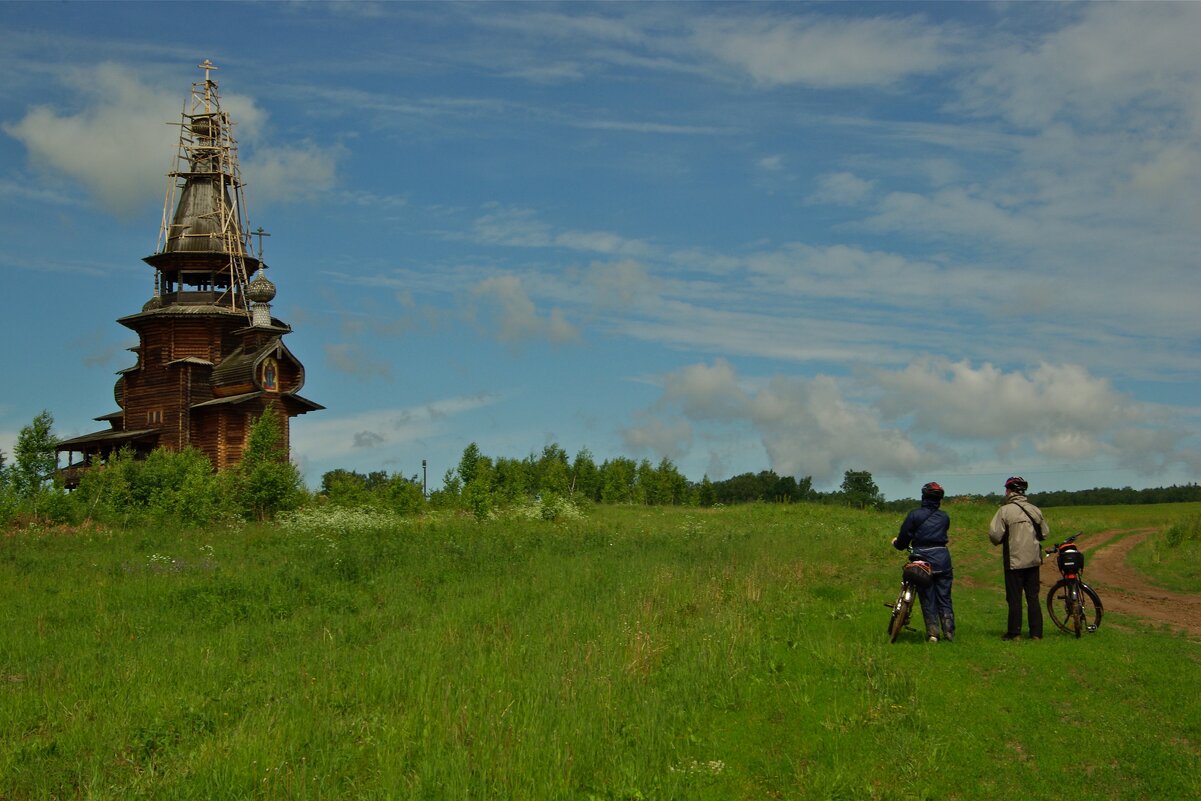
270, 370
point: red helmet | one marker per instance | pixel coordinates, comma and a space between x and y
932, 491
1016, 484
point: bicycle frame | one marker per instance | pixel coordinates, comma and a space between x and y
1074, 606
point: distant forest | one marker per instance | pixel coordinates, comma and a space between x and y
769, 487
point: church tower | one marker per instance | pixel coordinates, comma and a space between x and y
210, 357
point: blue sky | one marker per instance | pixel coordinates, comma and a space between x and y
934, 241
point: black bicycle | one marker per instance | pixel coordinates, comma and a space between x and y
915, 574
1071, 603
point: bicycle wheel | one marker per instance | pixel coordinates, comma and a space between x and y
900, 613
1090, 604
1075, 609
1059, 605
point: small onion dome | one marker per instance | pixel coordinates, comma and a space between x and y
260, 289
154, 303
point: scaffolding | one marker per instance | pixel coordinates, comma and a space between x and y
205, 207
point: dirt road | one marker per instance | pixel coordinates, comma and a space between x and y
1125, 591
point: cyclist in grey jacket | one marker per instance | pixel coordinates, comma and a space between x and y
1020, 526
925, 529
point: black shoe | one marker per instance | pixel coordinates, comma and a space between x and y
1011, 637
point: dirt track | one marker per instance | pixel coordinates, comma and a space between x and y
1125, 591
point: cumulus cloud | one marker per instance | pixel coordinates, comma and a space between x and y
932, 414
117, 144
658, 436
841, 189
506, 304
291, 173
806, 426
621, 284
1058, 403
707, 392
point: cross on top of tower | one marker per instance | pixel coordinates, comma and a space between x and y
208, 67
260, 233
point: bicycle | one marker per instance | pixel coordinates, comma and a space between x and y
1073, 605
915, 574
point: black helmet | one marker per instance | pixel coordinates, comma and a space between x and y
1016, 484
931, 492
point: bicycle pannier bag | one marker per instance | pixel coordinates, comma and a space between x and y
919, 574
1070, 560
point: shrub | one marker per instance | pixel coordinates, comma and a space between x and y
1183, 531
265, 481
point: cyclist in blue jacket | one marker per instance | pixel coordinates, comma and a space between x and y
925, 529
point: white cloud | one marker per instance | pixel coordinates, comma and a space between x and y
806, 426
288, 174
841, 189
1112, 60
707, 392
933, 414
506, 303
116, 145
652, 434
826, 52
121, 141
352, 360
1056, 403
518, 227
621, 284
327, 437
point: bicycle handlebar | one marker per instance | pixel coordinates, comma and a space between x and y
1068, 541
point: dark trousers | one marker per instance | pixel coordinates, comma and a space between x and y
1023, 581
936, 606
936, 599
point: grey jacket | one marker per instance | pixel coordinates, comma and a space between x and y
1013, 528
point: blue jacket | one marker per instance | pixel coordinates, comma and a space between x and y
924, 528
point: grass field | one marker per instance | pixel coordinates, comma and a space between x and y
639, 653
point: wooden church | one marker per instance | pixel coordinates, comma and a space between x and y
210, 357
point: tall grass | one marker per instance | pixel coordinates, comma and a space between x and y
633, 654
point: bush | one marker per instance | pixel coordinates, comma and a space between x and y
167, 486
1186, 530
265, 481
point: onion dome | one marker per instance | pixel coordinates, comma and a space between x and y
260, 289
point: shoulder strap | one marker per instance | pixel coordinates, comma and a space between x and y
1038, 526
922, 525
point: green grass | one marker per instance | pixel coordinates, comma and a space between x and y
1171, 556
635, 654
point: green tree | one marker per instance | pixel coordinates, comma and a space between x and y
266, 481
618, 477
402, 495
585, 476
860, 491
35, 458
478, 493
345, 488
467, 463
511, 480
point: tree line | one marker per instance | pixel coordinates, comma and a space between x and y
177, 487
183, 487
